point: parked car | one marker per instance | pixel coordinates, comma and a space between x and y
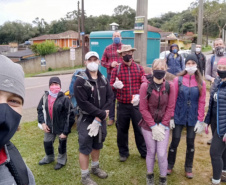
183, 53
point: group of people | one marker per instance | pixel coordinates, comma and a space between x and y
153, 104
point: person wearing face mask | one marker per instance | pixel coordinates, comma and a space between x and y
110, 60
190, 94
126, 79
201, 59
94, 97
56, 118
216, 116
157, 103
174, 60
13, 169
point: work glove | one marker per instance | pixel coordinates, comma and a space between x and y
206, 128
94, 128
135, 100
199, 127
157, 133
172, 124
118, 84
224, 138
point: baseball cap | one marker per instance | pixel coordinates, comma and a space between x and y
91, 54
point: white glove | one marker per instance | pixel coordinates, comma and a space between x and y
172, 124
118, 84
136, 99
157, 133
224, 138
206, 128
93, 128
199, 127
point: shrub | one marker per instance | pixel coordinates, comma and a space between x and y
44, 48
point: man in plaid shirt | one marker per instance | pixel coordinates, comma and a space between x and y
110, 60
126, 80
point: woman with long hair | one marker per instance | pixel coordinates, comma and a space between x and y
190, 94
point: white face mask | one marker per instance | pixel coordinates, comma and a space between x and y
191, 70
198, 50
92, 66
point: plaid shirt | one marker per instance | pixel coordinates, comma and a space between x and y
131, 79
110, 55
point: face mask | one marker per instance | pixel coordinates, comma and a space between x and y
54, 89
191, 70
175, 51
116, 40
159, 74
219, 51
92, 66
9, 122
198, 50
222, 74
127, 58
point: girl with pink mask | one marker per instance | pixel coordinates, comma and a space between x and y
56, 118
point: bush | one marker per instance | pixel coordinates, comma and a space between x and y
65, 48
44, 48
50, 69
34, 48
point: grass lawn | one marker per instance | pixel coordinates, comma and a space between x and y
29, 141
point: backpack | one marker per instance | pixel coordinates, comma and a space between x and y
150, 89
212, 62
81, 74
178, 55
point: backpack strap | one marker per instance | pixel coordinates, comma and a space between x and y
180, 79
150, 89
167, 87
212, 61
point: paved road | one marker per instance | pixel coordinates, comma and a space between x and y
35, 87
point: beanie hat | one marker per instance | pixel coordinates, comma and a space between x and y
54, 80
222, 61
173, 45
11, 77
192, 57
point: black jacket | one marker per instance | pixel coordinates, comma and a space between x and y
96, 100
63, 117
201, 63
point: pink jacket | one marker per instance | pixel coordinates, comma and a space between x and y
193, 83
148, 119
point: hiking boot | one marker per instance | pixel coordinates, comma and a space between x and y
110, 122
99, 172
122, 158
162, 181
87, 180
223, 177
169, 171
58, 166
150, 179
45, 161
189, 175
209, 142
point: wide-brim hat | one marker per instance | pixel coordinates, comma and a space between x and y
126, 48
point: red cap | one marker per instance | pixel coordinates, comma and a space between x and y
222, 61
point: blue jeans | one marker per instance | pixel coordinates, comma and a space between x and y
112, 107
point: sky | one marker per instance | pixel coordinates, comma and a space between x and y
28, 10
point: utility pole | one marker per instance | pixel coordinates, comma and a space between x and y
200, 22
140, 41
78, 24
83, 35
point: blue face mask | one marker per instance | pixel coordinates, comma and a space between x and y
116, 40
175, 51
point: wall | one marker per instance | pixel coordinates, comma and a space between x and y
55, 61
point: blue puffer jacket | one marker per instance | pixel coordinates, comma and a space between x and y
186, 111
219, 88
175, 65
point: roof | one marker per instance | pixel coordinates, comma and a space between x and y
65, 35
168, 36
4, 48
154, 29
21, 54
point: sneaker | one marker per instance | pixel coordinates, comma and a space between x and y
122, 158
110, 122
223, 177
45, 161
87, 180
189, 175
162, 181
150, 179
99, 172
209, 142
169, 171
58, 166
215, 184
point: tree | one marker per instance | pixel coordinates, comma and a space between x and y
41, 25
44, 48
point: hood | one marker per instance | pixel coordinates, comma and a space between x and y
174, 45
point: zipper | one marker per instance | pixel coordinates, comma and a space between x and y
189, 95
129, 82
98, 93
158, 105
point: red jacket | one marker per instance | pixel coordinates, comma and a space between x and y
159, 106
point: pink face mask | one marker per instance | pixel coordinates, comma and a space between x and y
54, 88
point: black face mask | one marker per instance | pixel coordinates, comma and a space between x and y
159, 74
219, 51
127, 58
222, 74
9, 122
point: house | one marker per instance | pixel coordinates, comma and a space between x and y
21, 55
65, 39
